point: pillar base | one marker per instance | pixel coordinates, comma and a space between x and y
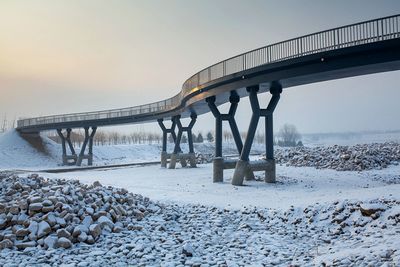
270, 173
172, 162
192, 160
164, 157
240, 171
218, 170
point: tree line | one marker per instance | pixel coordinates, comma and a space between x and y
287, 136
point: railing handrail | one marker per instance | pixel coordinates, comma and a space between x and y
290, 40
295, 38
309, 44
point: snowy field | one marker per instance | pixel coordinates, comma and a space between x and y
295, 187
309, 217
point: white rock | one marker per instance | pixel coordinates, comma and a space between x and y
50, 242
44, 229
95, 230
105, 221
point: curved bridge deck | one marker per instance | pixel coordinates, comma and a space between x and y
357, 49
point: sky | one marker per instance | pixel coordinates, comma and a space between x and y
70, 56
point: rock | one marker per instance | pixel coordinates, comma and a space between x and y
87, 221
89, 210
117, 229
105, 221
96, 184
80, 229
33, 229
22, 232
46, 209
82, 237
14, 209
64, 243
24, 245
51, 219
35, 200
370, 209
61, 221
50, 242
3, 223
187, 249
36, 207
47, 203
44, 229
63, 233
90, 240
6, 243
95, 230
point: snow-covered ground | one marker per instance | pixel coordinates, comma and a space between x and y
295, 187
16, 153
309, 217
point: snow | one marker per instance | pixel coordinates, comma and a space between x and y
17, 154
310, 216
296, 186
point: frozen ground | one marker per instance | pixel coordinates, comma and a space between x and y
309, 217
16, 153
295, 187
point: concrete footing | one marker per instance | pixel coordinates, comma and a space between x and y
69, 160
220, 164
246, 168
218, 170
164, 158
183, 158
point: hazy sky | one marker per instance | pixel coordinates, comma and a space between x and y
71, 56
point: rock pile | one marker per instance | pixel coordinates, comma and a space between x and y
341, 158
38, 212
40, 218
202, 158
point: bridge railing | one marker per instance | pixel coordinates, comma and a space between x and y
346, 36
147, 109
342, 37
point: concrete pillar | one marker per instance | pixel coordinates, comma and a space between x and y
164, 157
241, 169
270, 174
192, 160
172, 161
218, 170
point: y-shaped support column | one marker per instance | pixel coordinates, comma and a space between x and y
219, 164
67, 139
164, 154
88, 139
267, 165
177, 155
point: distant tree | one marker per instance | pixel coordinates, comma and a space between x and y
199, 138
210, 137
227, 136
288, 135
184, 139
299, 143
170, 139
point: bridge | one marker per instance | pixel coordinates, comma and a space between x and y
358, 49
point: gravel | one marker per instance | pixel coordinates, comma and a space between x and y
93, 225
342, 158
